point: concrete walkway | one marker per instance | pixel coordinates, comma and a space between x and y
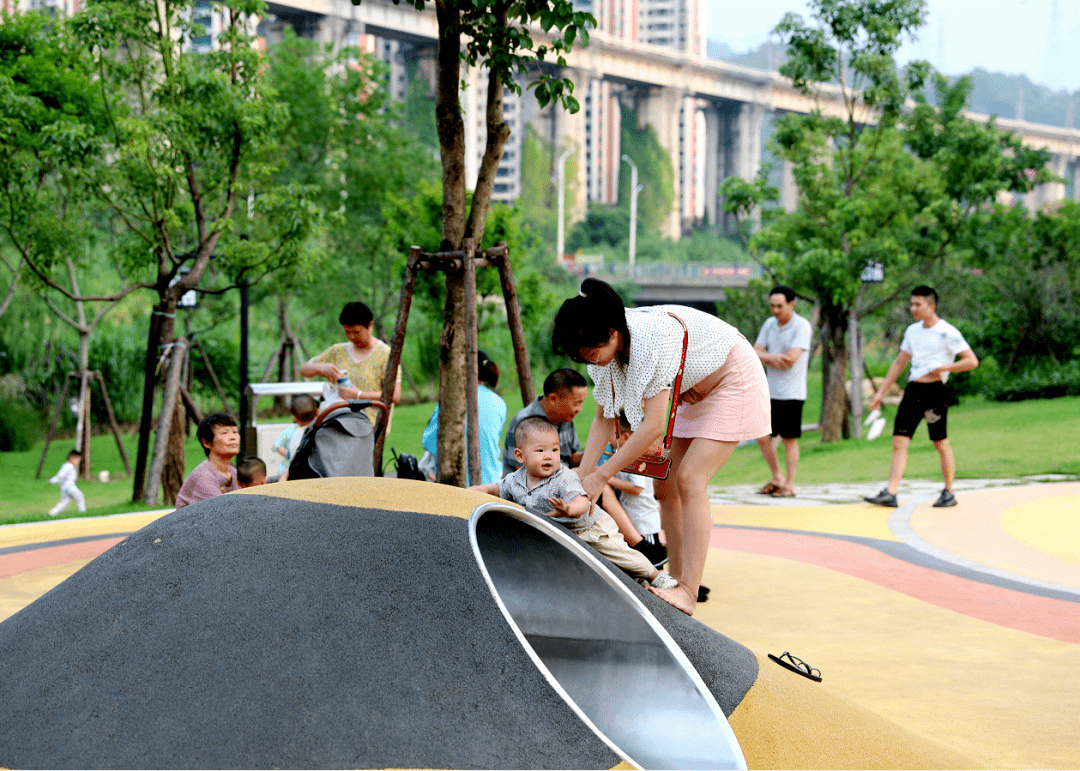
841, 493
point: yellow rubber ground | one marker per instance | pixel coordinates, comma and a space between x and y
907, 683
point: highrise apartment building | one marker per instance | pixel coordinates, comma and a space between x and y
56, 6
671, 24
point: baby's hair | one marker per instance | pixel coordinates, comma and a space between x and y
249, 469
624, 422
304, 408
531, 425
76, 452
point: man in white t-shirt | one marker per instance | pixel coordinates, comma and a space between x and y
783, 345
931, 344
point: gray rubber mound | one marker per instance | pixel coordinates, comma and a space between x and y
257, 632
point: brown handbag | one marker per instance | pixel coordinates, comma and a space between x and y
651, 464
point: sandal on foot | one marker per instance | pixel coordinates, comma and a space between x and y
782, 493
768, 488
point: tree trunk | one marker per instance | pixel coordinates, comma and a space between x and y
498, 131
281, 402
172, 475
82, 428
159, 463
451, 129
834, 408
161, 332
452, 384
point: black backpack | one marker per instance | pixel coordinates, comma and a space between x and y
407, 467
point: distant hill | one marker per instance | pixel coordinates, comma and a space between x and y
992, 93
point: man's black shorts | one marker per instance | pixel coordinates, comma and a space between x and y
923, 400
787, 418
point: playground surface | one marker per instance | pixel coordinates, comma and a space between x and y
961, 625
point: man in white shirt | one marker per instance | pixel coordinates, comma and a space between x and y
931, 344
783, 345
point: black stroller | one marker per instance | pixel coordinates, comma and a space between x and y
340, 442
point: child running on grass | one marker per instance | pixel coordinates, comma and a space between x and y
544, 486
66, 477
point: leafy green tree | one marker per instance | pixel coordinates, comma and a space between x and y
183, 163
860, 190
603, 225
655, 173
48, 127
871, 189
347, 140
499, 35
1027, 285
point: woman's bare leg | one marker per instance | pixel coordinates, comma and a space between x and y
688, 523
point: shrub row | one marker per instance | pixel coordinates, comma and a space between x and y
1046, 381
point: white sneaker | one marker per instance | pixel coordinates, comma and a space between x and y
876, 429
665, 581
874, 415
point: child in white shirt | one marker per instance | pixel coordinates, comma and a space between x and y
66, 477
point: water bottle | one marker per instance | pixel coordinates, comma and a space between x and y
343, 382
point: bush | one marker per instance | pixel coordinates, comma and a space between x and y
118, 351
19, 426
1047, 381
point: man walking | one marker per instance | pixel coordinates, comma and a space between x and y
783, 345
931, 344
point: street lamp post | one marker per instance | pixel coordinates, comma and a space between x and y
560, 165
635, 188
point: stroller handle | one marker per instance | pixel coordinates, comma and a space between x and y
356, 405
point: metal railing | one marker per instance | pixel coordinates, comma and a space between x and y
670, 272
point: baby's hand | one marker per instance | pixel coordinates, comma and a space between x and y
562, 508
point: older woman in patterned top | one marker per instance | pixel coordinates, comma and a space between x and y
633, 356
363, 358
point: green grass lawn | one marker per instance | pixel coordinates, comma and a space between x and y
990, 439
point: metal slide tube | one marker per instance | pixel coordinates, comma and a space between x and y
598, 645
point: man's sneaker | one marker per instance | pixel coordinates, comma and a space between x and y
665, 581
944, 500
884, 498
655, 553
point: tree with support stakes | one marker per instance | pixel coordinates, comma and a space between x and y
498, 35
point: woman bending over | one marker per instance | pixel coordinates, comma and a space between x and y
633, 356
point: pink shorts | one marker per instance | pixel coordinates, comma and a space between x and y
737, 408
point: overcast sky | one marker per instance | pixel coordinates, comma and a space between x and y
1010, 36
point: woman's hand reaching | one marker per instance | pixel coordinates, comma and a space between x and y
593, 484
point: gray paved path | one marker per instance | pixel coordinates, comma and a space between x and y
853, 492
